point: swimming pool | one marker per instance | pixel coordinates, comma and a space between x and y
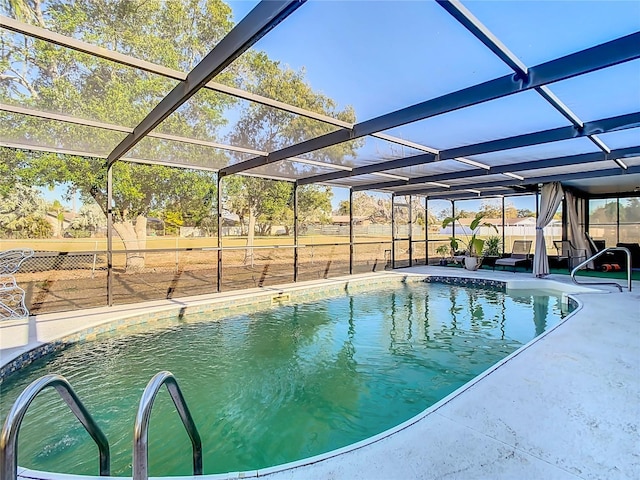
299, 368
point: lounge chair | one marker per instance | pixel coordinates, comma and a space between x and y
519, 255
567, 253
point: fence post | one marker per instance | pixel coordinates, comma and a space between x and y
95, 255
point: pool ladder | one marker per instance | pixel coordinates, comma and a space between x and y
599, 254
11, 428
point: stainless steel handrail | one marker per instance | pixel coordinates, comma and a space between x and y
11, 428
599, 254
140, 440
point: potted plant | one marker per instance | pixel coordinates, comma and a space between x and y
473, 245
444, 250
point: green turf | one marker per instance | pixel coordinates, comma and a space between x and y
621, 275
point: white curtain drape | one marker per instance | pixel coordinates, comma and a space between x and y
550, 198
575, 232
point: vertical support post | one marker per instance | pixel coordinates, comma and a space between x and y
219, 209
426, 231
393, 231
109, 211
504, 227
410, 230
453, 224
295, 232
350, 231
618, 225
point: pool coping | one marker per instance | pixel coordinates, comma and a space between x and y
512, 282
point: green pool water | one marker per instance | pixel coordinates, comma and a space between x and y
278, 385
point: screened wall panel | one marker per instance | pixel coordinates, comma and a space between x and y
438, 246
373, 257
603, 220
43, 133
374, 211
257, 267
629, 230
323, 215
322, 261
65, 225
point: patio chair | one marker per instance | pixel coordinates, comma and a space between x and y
519, 255
12, 305
11, 295
567, 253
10, 260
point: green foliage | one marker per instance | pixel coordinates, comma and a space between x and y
89, 219
22, 214
314, 205
267, 201
444, 250
270, 129
173, 221
473, 245
492, 246
375, 209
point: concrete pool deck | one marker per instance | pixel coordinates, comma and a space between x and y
565, 406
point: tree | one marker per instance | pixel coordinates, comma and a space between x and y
314, 205
257, 202
525, 213
375, 209
22, 213
89, 219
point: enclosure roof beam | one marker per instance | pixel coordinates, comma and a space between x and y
498, 192
373, 168
264, 17
530, 181
612, 124
512, 167
621, 122
591, 59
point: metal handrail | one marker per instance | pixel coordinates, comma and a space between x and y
600, 253
140, 440
11, 428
